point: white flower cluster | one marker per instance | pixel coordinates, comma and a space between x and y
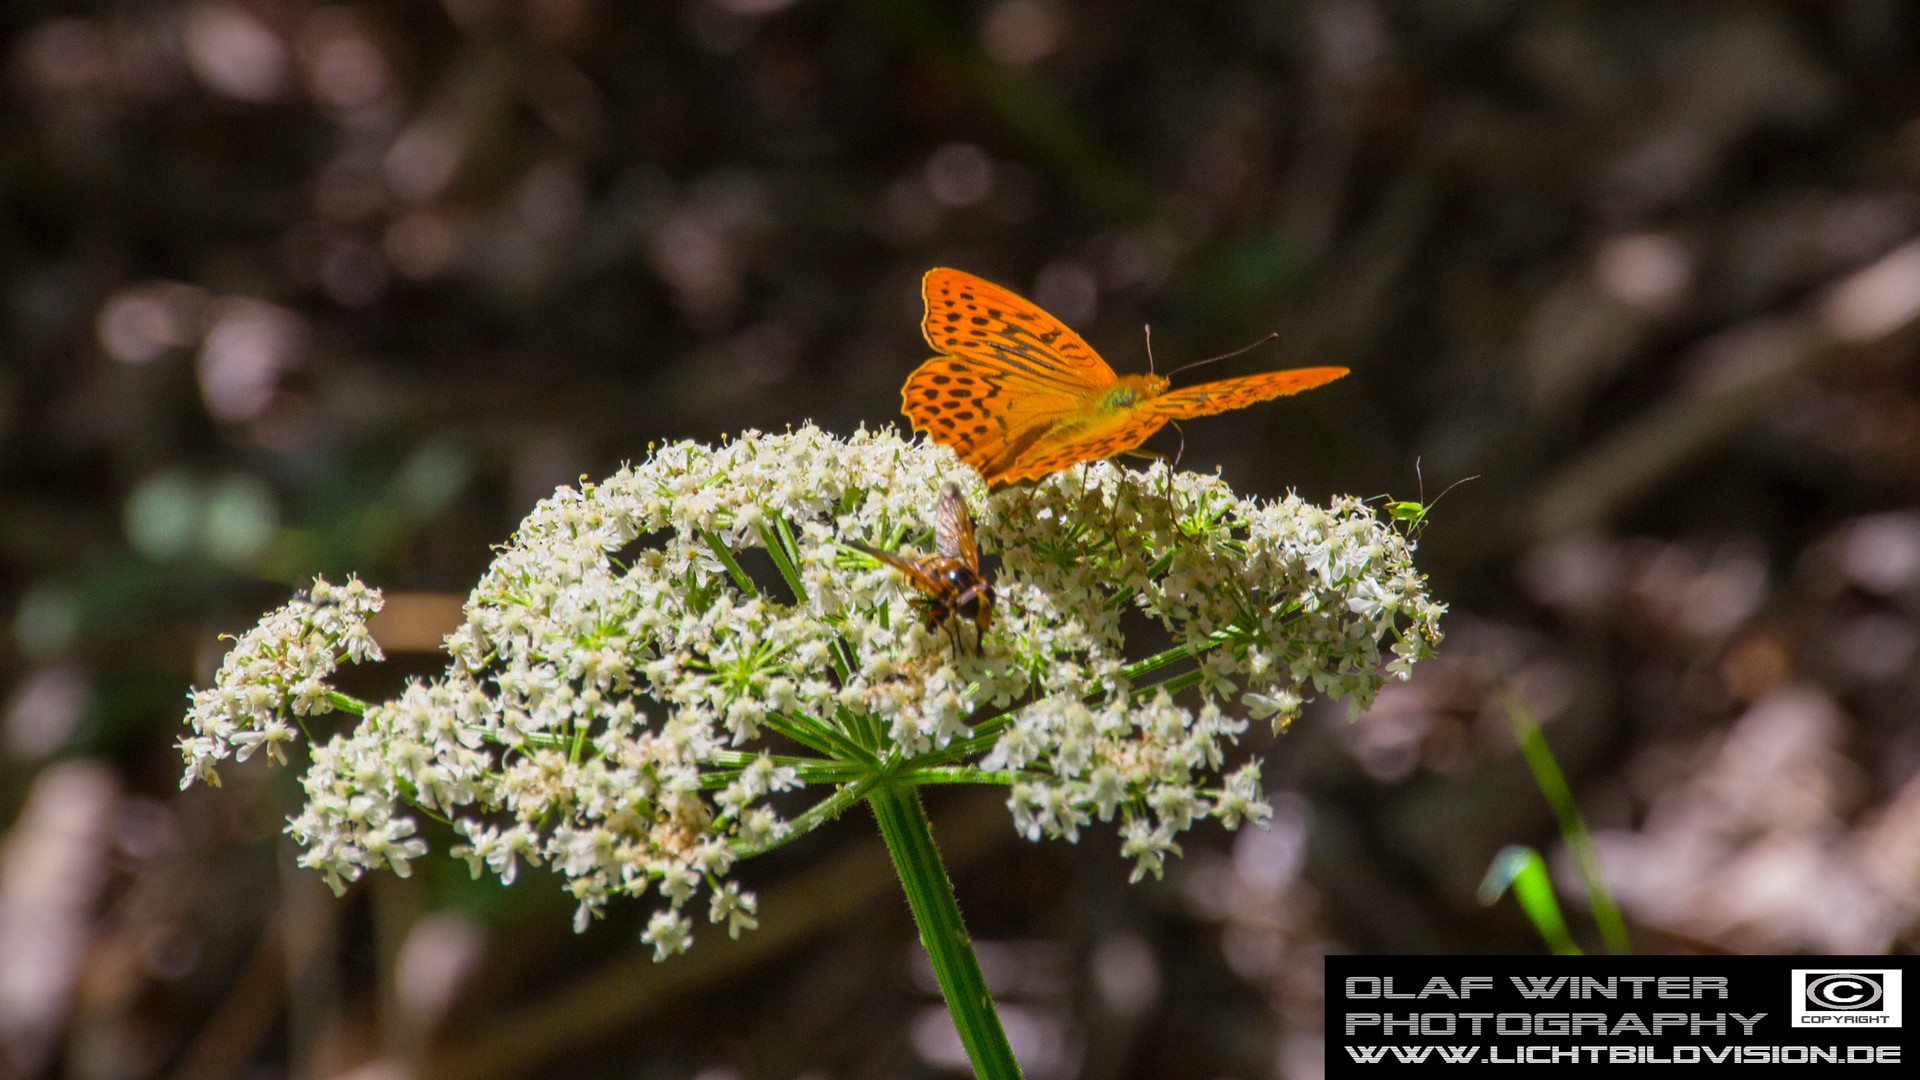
637, 656
275, 671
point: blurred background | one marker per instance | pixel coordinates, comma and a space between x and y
291, 287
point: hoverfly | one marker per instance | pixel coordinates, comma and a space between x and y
949, 580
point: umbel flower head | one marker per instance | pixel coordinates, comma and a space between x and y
630, 704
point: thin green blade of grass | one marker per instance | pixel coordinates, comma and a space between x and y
1573, 828
1521, 869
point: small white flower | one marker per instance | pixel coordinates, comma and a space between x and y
1148, 846
739, 910
669, 932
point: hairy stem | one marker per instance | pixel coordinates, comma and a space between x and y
903, 824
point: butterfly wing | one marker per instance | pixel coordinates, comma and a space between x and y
1228, 394
1009, 375
953, 528
975, 319
1070, 443
1120, 426
979, 411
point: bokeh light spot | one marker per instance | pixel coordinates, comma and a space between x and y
960, 174
233, 53
1021, 32
252, 343
162, 514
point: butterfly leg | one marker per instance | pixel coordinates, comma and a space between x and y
1112, 499
1166, 486
1178, 453
1115, 528
1085, 483
1114, 496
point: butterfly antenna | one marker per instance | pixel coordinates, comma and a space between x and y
1275, 336
1148, 327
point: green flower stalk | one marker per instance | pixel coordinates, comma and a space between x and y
626, 704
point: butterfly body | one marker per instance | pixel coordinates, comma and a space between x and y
1131, 390
949, 580
1018, 395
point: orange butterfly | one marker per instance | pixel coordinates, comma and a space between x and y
1018, 395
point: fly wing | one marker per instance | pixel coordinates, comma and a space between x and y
919, 578
953, 527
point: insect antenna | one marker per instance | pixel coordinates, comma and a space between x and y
1275, 336
1148, 328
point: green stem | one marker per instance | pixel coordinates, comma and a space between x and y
346, 703
781, 549
815, 816
816, 736
713, 780
903, 824
740, 759
734, 570
961, 774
